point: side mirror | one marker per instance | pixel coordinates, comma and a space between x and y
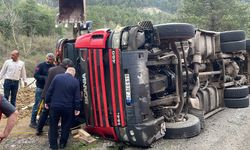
86, 26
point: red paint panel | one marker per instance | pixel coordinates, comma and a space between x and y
118, 71
103, 87
97, 89
112, 86
96, 39
107, 132
92, 86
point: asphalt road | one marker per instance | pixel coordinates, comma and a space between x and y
227, 130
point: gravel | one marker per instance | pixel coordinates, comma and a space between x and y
228, 130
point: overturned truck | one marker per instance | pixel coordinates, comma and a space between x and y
145, 82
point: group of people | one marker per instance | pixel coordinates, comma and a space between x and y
56, 87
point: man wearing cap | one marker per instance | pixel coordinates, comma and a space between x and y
12, 71
40, 75
60, 69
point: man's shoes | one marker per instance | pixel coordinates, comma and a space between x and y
62, 146
47, 122
53, 148
39, 133
33, 125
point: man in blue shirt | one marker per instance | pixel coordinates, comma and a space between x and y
63, 100
40, 75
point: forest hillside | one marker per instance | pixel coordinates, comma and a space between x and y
29, 25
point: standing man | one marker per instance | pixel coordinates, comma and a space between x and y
40, 75
11, 113
63, 99
60, 69
12, 71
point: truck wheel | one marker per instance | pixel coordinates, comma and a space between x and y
248, 45
230, 36
175, 31
236, 92
248, 88
184, 129
198, 113
237, 102
233, 46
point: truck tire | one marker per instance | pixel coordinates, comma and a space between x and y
198, 113
237, 102
175, 31
248, 44
236, 92
233, 46
230, 36
184, 129
248, 88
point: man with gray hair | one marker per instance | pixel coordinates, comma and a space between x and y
63, 99
60, 69
41, 73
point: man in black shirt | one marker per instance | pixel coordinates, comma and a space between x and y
40, 75
52, 73
11, 113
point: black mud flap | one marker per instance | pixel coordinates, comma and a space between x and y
144, 134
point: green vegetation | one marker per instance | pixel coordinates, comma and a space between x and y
29, 25
219, 15
169, 6
113, 16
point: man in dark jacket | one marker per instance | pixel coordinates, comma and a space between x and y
52, 73
63, 99
40, 75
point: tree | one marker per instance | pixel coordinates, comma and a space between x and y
28, 11
37, 19
51, 3
10, 20
112, 16
169, 6
219, 15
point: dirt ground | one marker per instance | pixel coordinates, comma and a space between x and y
23, 137
227, 130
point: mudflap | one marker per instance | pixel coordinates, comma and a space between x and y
144, 134
105, 132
